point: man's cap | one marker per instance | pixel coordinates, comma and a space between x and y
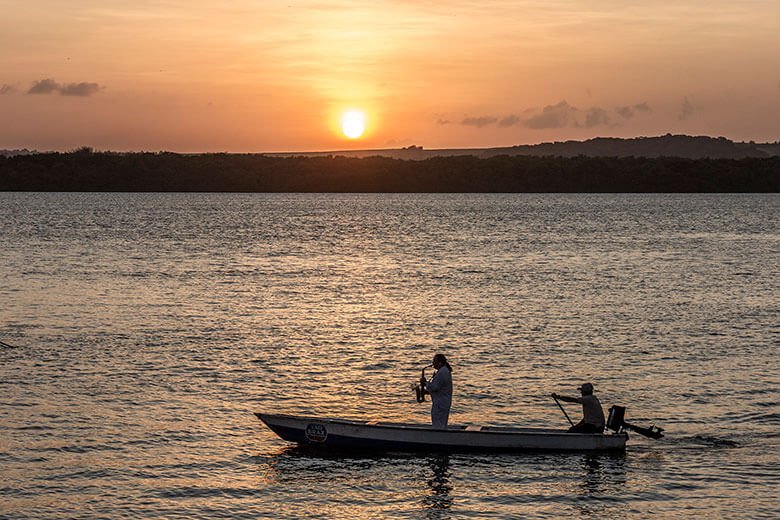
586, 387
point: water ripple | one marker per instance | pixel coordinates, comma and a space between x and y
149, 327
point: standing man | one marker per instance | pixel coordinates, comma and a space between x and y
592, 413
440, 389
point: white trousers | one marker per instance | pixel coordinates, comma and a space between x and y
440, 414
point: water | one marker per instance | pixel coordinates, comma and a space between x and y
149, 327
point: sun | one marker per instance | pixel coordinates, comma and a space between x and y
353, 123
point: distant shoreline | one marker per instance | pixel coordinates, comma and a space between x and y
683, 146
84, 171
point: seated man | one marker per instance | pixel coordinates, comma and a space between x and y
592, 413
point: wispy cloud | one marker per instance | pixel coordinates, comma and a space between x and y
686, 110
50, 86
629, 111
552, 116
596, 117
79, 89
44, 86
559, 115
510, 120
479, 122
7, 89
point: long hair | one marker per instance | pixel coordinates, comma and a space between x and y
443, 360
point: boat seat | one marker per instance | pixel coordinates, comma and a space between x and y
473, 428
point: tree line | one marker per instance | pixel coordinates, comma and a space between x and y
85, 170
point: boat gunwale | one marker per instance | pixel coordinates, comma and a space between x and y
425, 428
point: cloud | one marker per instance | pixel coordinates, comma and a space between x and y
479, 122
44, 86
628, 112
49, 86
552, 116
79, 89
510, 120
596, 117
686, 110
560, 115
7, 89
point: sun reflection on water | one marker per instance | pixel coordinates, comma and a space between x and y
145, 346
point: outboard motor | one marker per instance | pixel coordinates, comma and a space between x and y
615, 419
419, 388
616, 422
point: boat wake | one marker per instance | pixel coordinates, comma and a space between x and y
697, 441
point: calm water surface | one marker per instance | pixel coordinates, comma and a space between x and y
148, 327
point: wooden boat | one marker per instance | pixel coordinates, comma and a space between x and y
383, 436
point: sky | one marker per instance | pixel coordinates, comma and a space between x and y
276, 76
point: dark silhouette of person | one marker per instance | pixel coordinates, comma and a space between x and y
440, 389
592, 413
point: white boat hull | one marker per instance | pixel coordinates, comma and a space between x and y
344, 434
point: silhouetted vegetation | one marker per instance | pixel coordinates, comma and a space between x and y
84, 170
691, 147
687, 146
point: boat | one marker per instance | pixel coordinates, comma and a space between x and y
344, 434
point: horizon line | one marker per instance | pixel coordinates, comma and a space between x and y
409, 148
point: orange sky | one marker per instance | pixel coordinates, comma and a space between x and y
275, 76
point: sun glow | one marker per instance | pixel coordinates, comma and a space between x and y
353, 123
